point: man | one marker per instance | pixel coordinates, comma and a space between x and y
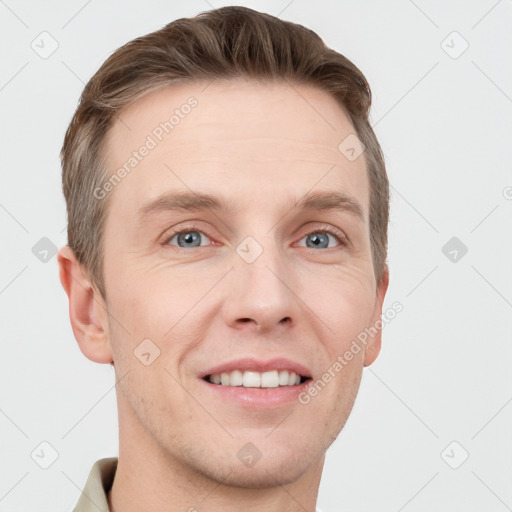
227, 235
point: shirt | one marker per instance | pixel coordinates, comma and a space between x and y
99, 483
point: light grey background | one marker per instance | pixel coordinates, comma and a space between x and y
444, 374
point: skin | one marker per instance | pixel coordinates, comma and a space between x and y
264, 146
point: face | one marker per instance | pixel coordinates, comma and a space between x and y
240, 286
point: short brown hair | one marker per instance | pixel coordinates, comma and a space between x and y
227, 42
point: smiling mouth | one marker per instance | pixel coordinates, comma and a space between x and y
251, 379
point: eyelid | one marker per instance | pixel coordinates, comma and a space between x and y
328, 228
172, 232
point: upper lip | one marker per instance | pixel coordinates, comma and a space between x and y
258, 365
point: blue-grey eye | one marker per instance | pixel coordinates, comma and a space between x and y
320, 240
188, 238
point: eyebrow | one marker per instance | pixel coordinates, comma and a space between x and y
332, 201
191, 201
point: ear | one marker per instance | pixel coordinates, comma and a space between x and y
373, 346
87, 309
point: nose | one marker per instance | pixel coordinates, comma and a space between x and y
260, 294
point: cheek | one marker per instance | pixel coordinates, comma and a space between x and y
155, 323
348, 315
149, 300
342, 299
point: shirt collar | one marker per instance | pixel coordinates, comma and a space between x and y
99, 483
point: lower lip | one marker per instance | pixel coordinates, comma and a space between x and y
257, 398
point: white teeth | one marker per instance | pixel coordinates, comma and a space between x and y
270, 379
248, 379
251, 380
236, 378
283, 378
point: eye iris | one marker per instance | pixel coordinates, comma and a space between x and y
191, 236
319, 239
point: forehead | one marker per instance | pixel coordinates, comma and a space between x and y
226, 135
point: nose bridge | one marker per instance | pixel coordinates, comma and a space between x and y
259, 289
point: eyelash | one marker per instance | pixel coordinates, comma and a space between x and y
338, 235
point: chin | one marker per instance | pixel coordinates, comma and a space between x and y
261, 476
278, 465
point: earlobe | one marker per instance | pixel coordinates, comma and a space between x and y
374, 343
372, 350
87, 309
